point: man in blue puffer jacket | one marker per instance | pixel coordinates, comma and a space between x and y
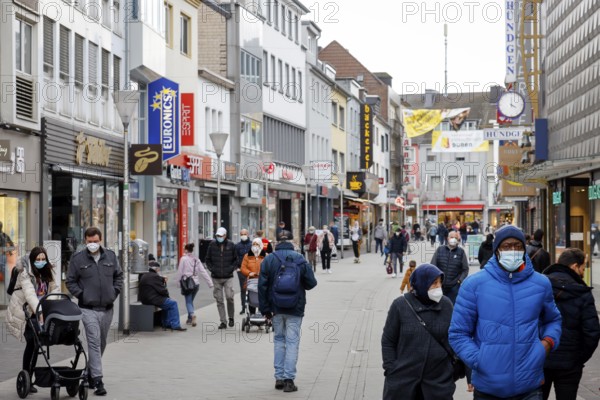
505, 323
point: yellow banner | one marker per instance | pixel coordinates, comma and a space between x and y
419, 122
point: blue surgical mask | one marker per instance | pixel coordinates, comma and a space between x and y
511, 260
220, 239
40, 264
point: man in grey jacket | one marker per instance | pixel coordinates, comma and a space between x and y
95, 278
380, 235
452, 260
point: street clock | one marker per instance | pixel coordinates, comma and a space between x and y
511, 105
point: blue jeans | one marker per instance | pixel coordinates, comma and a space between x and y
189, 301
286, 336
170, 314
379, 245
533, 395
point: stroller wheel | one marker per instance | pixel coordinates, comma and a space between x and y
267, 329
243, 324
55, 392
73, 389
23, 384
83, 392
248, 328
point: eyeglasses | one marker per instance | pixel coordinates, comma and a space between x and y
512, 246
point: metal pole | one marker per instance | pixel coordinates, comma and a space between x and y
342, 220
368, 221
125, 291
305, 204
218, 191
267, 204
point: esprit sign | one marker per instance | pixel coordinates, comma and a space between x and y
187, 119
163, 116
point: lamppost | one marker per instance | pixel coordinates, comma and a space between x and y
218, 140
306, 172
267, 157
368, 183
126, 102
341, 184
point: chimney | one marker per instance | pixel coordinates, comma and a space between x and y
384, 77
430, 97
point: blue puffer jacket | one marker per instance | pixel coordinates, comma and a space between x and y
498, 321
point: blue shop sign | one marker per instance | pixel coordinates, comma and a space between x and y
163, 116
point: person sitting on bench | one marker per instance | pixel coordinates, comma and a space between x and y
153, 292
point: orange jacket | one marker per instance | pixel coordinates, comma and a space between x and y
250, 263
406, 280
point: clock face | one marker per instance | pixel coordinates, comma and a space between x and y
511, 105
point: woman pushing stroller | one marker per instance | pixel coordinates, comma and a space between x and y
251, 263
35, 280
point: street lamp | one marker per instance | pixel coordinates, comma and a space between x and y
267, 157
126, 102
368, 183
341, 184
218, 140
306, 172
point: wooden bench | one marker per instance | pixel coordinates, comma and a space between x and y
143, 318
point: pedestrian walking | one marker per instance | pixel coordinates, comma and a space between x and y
432, 233
398, 247
241, 249
251, 264
540, 258
310, 247
34, 281
335, 231
406, 280
266, 244
594, 239
95, 278
580, 326
442, 232
356, 238
153, 291
452, 260
326, 244
380, 235
221, 262
505, 323
191, 266
416, 365
286, 320
486, 250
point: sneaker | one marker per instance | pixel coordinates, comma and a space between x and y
288, 386
189, 321
194, 320
279, 384
223, 325
100, 391
91, 382
329, 271
230, 322
33, 389
180, 329
243, 311
393, 275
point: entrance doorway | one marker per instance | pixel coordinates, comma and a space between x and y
285, 213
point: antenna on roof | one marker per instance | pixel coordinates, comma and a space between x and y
446, 60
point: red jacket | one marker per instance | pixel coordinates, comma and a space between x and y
310, 239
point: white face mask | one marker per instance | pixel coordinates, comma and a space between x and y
453, 242
244, 237
511, 260
256, 250
93, 247
435, 294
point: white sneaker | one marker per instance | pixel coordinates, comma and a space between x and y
329, 271
393, 275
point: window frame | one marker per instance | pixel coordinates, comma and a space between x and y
168, 31
188, 34
23, 62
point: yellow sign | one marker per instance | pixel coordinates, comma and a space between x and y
96, 150
145, 158
419, 122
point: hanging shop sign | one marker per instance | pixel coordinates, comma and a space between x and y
92, 150
557, 198
145, 159
503, 133
366, 133
419, 122
163, 116
594, 192
178, 174
458, 142
187, 119
511, 41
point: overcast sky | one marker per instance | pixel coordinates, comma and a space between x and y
406, 39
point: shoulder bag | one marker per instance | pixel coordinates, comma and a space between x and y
457, 363
187, 283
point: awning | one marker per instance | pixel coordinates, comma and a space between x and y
452, 207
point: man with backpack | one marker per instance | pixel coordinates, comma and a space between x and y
284, 278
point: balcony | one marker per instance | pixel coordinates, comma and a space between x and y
148, 55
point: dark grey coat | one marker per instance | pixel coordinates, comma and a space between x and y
415, 365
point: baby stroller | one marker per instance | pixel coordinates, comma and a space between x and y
256, 319
60, 327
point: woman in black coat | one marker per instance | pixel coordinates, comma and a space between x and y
486, 250
416, 366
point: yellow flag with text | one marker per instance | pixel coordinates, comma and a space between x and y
419, 122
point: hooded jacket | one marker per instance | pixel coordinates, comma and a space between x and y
153, 289
95, 284
25, 289
540, 258
221, 259
268, 274
498, 322
580, 326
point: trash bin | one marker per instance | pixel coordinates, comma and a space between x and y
138, 256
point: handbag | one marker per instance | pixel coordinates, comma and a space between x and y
187, 283
458, 365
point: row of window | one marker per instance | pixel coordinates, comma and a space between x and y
185, 30
276, 73
339, 163
283, 18
453, 183
338, 115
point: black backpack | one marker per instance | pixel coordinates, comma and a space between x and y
286, 288
14, 275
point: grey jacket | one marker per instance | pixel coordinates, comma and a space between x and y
380, 232
96, 285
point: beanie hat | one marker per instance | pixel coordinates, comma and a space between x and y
422, 278
508, 231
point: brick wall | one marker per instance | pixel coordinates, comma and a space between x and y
212, 40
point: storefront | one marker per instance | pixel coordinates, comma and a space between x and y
85, 170
448, 213
20, 176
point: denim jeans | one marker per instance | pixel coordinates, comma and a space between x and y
286, 336
396, 257
379, 245
533, 395
189, 301
170, 314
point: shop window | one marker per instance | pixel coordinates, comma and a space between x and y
168, 231
13, 208
435, 183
